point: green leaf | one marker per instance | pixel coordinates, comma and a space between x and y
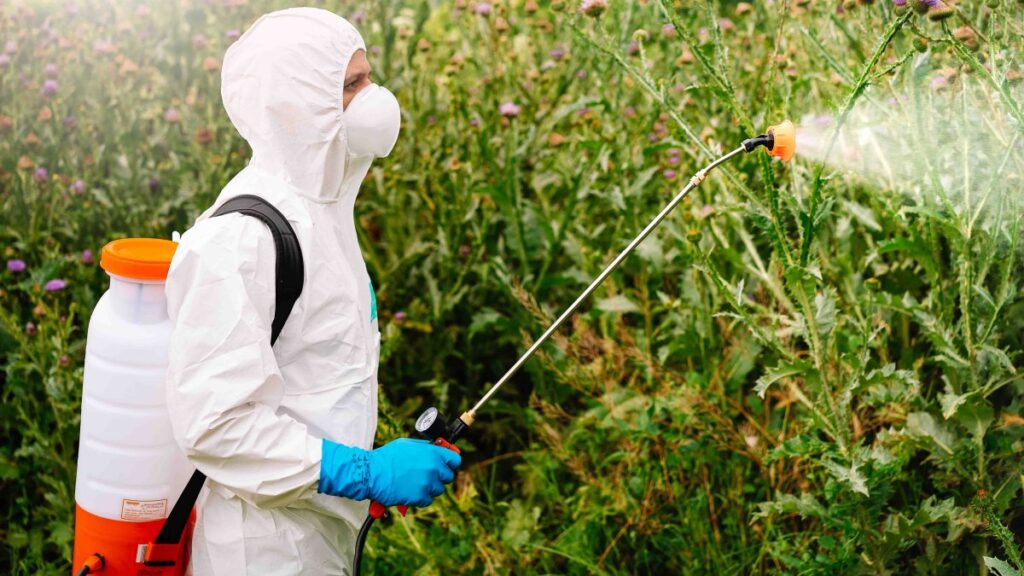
773, 375
1000, 567
520, 523
483, 319
806, 505
851, 476
617, 303
863, 215
976, 416
951, 402
825, 310
923, 425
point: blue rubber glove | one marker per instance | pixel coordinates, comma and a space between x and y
402, 472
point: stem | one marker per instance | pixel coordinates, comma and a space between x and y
659, 97
1000, 87
862, 82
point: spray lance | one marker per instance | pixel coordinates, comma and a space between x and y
778, 140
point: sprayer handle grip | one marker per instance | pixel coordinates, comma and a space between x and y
378, 510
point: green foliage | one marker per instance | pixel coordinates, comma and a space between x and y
803, 370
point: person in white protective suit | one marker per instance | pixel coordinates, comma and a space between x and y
285, 434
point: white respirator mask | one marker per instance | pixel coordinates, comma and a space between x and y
372, 121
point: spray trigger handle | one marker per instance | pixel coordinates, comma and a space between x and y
431, 425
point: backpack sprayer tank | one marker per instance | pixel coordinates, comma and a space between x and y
130, 470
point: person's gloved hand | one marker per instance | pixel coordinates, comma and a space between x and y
402, 472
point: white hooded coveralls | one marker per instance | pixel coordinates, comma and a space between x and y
248, 416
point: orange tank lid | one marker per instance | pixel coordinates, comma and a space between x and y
138, 258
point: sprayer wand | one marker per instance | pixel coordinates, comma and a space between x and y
695, 181
779, 140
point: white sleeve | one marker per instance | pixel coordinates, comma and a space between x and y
224, 385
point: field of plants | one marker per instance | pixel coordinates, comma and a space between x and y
811, 367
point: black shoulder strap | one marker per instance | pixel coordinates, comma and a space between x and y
289, 286
289, 254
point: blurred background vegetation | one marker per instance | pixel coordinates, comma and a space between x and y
804, 370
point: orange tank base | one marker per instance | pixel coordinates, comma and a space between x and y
118, 542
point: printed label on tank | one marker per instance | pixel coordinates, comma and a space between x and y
143, 509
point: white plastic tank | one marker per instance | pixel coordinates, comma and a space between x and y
130, 470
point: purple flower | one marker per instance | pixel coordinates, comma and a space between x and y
78, 187
581, 74
474, 122
87, 257
399, 316
668, 31
41, 174
431, 120
70, 121
103, 46
154, 184
30, 329
16, 265
375, 50
10, 47
71, 8
358, 17
669, 174
199, 41
51, 71
633, 48
49, 87
55, 285
4, 60
464, 250
557, 53
509, 109
64, 360
673, 160
899, 2
233, 34
482, 8
172, 115
593, 8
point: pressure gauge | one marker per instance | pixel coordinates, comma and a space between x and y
431, 424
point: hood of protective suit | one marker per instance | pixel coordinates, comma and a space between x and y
282, 84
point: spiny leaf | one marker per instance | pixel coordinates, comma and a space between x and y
1000, 567
851, 476
773, 375
923, 424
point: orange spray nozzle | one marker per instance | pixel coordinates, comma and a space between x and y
784, 140
779, 140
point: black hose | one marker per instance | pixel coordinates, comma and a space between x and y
87, 568
360, 543
766, 140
